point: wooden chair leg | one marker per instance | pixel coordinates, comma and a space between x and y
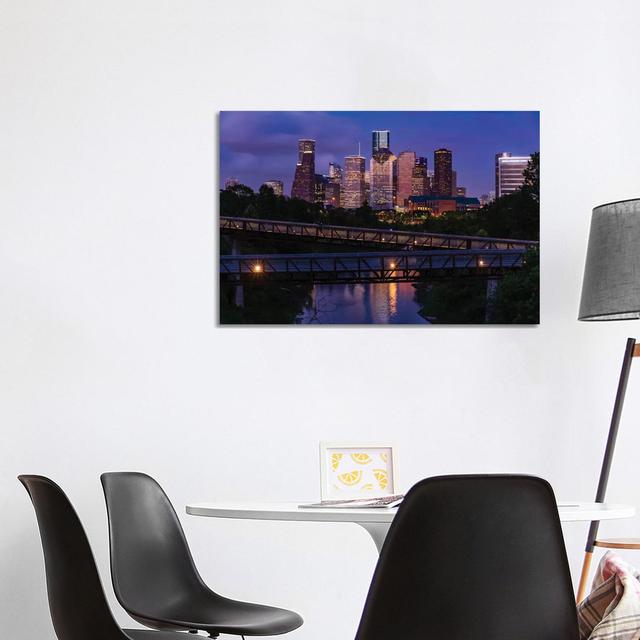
584, 576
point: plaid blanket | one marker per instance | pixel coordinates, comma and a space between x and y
612, 610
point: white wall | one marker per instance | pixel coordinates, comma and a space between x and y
110, 354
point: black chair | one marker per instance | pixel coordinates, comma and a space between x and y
154, 576
473, 558
78, 606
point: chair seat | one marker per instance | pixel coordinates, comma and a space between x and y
216, 614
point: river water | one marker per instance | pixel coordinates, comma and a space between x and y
372, 303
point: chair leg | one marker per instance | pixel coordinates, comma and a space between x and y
584, 576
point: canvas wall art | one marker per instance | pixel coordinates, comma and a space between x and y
379, 217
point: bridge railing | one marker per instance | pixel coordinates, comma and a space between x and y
369, 267
361, 235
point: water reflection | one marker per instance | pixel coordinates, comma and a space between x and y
374, 303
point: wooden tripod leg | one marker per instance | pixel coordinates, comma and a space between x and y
584, 576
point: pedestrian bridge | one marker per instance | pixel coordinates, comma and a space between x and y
385, 266
364, 237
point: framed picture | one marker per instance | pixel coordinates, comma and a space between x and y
379, 217
349, 470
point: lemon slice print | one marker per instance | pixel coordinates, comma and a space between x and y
382, 477
350, 478
335, 460
361, 458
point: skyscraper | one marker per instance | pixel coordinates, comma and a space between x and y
443, 172
332, 193
304, 178
420, 182
367, 186
352, 195
320, 183
405, 164
335, 172
509, 173
380, 140
276, 185
382, 172
305, 145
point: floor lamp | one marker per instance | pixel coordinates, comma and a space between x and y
611, 291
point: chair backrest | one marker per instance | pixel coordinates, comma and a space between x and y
151, 564
78, 606
473, 558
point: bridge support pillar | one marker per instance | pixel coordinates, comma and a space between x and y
238, 289
492, 292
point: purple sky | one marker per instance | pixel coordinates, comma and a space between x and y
262, 145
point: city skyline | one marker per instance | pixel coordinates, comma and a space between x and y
256, 147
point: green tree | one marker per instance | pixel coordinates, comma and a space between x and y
266, 202
531, 185
453, 301
241, 190
517, 299
264, 303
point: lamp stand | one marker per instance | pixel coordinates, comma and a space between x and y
632, 350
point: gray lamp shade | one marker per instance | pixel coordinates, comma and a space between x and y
611, 285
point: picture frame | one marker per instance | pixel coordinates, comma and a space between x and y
295, 183
351, 470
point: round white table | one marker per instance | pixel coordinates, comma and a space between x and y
377, 521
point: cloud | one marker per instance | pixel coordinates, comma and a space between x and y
275, 133
261, 145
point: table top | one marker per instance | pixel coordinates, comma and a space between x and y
569, 512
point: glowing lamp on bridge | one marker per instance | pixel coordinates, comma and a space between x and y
393, 265
257, 268
481, 262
